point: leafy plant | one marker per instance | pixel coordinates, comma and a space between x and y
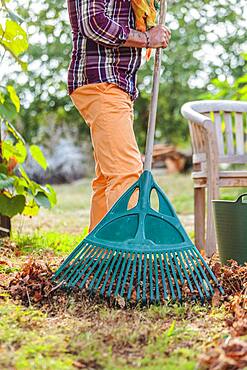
237, 90
18, 193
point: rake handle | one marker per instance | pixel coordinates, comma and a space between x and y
154, 97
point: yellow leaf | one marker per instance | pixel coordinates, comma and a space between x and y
14, 97
14, 38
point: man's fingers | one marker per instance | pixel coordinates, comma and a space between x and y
168, 35
166, 29
166, 38
164, 44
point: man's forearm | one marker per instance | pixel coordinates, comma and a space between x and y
136, 39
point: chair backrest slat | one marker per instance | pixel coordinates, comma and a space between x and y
197, 137
229, 133
219, 134
229, 120
239, 133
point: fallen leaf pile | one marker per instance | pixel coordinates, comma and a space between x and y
32, 283
229, 355
234, 281
232, 276
8, 248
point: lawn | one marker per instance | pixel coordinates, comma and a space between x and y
40, 329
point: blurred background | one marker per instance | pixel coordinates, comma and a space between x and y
204, 59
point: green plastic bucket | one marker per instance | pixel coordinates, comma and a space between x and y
231, 229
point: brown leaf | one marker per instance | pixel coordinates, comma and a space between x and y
78, 365
217, 297
3, 262
120, 301
230, 355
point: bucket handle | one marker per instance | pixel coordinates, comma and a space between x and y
240, 197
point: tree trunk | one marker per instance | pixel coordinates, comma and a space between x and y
5, 223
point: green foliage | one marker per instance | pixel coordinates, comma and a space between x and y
18, 193
236, 90
14, 98
38, 155
10, 206
196, 26
9, 102
14, 39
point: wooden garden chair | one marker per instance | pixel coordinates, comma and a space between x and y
218, 135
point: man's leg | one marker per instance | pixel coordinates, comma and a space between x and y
115, 144
98, 207
108, 111
85, 100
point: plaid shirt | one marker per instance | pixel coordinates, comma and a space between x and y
99, 27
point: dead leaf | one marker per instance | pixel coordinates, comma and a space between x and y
120, 301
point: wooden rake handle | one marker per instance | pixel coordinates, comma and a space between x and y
154, 96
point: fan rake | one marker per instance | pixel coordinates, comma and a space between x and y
141, 254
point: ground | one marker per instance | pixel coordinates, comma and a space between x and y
44, 330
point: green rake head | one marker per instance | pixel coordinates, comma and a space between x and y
140, 254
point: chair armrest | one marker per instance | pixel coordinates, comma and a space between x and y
195, 117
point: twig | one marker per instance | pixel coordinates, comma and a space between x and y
28, 297
55, 288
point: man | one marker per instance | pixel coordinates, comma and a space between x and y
102, 84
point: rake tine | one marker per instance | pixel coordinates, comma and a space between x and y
104, 269
132, 277
113, 277
125, 276
108, 274
210, 272
69, 258
169, 279
156, 279
151, 277
163, 277
67, 268
175, 277
105, 258
186, 274
138, 296
198, 274
73, 267
144, 299
77, 273
121, 274
175, 258
92, 268
193, 277
202, 271
85, 265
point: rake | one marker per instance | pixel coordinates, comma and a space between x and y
141, 254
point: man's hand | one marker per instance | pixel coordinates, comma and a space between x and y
159, 36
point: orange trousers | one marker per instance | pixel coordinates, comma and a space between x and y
108, 111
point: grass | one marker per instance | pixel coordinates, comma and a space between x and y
86, 336
49, 241
150, 339
70, 215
